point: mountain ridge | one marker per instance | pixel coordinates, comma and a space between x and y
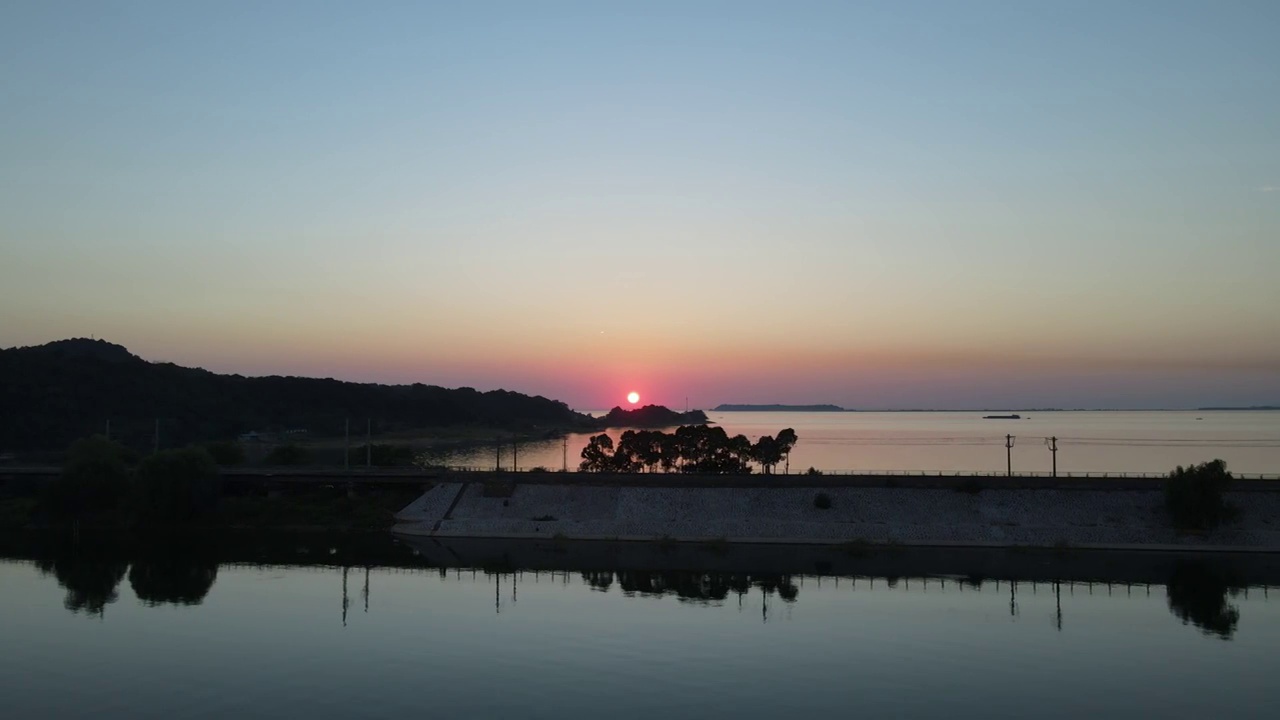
60, 391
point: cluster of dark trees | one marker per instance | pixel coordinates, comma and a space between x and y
101, 485
691, 448
1195, 495
56, 393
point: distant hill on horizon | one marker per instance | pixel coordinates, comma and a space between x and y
729, 407
55, 393
651, 416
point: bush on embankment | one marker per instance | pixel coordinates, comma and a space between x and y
175, 486
95, 480
105, 486
1194, 495
382, 455
99, 486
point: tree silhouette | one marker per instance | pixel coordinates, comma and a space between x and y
94, 479
597, 456
1194, 495
691, 449
767, 452
787, 439
176, 485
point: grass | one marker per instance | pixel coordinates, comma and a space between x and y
666, 543
544, 518
855, 548
16, 512
718, 545
498, 489
371, 511
314, 509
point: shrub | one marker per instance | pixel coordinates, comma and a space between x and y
855, 548
94, 479
822, 501
287, 455
176, 485
1194, 495
225, 452
719, 545
813, 471
381, 455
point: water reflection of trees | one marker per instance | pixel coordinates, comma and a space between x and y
161, 571
694, 587
172, 574
1197, 594
89, 575
180, 572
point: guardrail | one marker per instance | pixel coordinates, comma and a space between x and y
408, 472
1098, 474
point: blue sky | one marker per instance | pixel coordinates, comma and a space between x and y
876, 204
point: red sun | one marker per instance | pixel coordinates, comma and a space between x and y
633, 397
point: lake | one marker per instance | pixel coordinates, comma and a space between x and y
1096, 442
308, 627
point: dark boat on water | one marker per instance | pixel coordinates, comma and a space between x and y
1001, 417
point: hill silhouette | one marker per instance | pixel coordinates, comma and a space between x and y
651, 416
53, 394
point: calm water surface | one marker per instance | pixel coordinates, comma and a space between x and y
962, 441
92, 636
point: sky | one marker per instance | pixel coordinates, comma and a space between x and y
874, 204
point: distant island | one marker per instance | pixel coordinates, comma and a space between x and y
1238, 409
779, 408
651, 416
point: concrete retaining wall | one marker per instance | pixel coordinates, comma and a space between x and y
906, 516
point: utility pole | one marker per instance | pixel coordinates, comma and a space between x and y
515, 453
368, 443
497, 457
565, 450
1053, 448
346, 454
1008, 454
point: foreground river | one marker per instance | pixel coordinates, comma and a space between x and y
322, 628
